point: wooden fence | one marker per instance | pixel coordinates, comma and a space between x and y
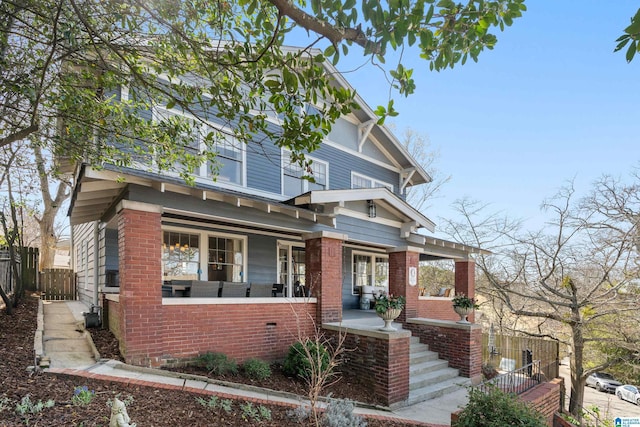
58, 284
508, 353
29, 268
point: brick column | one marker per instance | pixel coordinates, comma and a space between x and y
401, 261
139, 248
465, 280
323, 258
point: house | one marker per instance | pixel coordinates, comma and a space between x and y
177, 267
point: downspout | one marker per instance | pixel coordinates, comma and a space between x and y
96, 260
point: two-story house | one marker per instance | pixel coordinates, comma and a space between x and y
249, 261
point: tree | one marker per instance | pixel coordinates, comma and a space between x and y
575, 280
630, 37
69, 60
421, 197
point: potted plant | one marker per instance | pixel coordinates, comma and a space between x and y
463, 305
388, 307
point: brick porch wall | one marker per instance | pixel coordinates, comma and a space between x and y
436, 308
139, 248
380, 360
241, 331
460, 344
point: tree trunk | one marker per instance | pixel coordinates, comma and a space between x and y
47, 239
7, 302
577, 379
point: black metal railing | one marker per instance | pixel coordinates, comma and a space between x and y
517, 381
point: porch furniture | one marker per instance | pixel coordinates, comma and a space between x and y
232, 289
279, 290
180, 288
205, 289
261, 290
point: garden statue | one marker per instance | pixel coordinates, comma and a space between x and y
119, 416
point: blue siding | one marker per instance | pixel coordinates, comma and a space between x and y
262, 259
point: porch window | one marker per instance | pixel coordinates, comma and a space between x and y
226, 259
363, 181
180, 256
370, 270
293, 182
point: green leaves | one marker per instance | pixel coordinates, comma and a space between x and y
631, 36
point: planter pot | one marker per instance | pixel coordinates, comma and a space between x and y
463, 312
388, 317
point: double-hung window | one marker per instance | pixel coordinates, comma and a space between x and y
293, 182
363, 181
370, 270
230, 159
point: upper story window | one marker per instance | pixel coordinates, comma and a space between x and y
363, 181
230, 159
292, 182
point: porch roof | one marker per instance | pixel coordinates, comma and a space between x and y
334, 201
97, 190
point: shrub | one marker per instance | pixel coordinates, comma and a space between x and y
297, 362
495, 408
257, 369
339, 413
217, 363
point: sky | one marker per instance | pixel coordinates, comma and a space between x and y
550, 103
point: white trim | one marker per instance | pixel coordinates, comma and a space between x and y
238, 301
354, 153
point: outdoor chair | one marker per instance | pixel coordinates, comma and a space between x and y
232, 289
278, 290
261, 290
205, 289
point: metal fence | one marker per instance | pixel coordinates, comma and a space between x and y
517, 381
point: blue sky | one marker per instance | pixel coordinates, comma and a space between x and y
550, 103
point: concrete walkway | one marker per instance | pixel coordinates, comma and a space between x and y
64, 347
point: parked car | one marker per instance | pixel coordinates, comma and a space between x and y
603, 382
629, 393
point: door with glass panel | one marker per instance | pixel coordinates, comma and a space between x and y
291, 267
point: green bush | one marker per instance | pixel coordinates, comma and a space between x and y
217, 363
495, 408
297, 362
257, 369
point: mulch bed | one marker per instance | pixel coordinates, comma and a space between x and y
150, 406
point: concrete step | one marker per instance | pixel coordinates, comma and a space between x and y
430, 378
422, 356
417, 348
436, 390
417, 369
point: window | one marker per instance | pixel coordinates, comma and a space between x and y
370, 270
292, 182
225, 260
180, 256
362, 181
229, 163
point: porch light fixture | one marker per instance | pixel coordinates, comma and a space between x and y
372, 209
